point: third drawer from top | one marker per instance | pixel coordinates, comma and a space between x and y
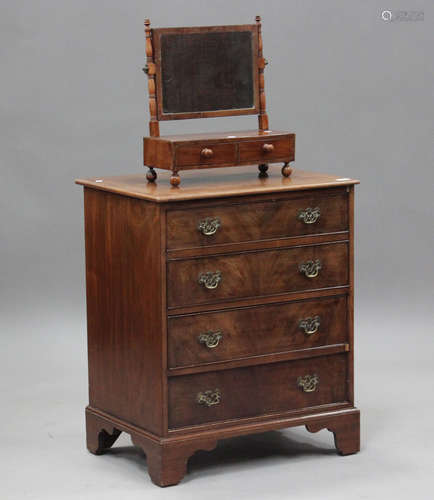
197, 339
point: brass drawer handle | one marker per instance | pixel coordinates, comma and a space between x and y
310, 268
210, 339
310, 325
209, 398
267, 148
209, 226
206, 153
308, 383
309, 215
210, 280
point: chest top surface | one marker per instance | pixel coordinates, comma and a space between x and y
213, 184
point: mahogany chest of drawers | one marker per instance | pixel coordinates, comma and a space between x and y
220, 308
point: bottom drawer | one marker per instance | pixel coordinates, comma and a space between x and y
257, 390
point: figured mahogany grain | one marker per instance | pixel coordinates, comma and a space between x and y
274, 218
256, 390
255, 331
256, 274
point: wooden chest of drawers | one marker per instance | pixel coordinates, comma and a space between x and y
221, 308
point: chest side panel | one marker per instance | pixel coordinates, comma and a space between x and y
124, 283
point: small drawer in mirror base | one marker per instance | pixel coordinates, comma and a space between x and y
207, 150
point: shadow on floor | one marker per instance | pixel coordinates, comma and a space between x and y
241, 450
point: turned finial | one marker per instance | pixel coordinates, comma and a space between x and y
147, 23
258, 19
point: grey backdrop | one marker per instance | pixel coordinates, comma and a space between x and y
357, 91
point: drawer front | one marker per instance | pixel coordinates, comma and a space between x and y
225, 335
265, 150
255, 274
314, 212
206, 154
257, 390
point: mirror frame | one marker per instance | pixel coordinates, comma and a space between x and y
156, 43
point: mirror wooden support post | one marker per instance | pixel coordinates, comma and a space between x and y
154, 127
262, 117
149, 69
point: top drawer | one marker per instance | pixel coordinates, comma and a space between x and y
302, 213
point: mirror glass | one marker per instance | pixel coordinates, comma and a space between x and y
207, 71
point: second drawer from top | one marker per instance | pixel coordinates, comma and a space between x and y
256, 274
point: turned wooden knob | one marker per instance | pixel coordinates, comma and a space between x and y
268, 148
206, 153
